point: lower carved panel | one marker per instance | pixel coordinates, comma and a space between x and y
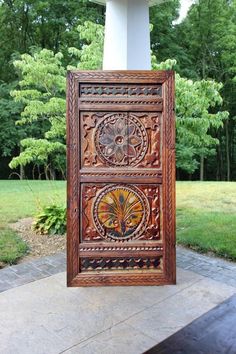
120, 212
111, 264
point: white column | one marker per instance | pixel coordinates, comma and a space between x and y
127, 35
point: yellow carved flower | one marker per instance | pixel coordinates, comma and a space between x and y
120, 211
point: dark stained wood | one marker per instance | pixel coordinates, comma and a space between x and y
121, 178
212, 333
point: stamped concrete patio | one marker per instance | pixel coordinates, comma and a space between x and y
40, 315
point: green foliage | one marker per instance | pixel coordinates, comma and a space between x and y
42, 92
203, 45
10, 135
12, 247
207, 40
90, 56
43, 89
163, 38
51, 220
39, 151
41, 24
208, 34
194, 118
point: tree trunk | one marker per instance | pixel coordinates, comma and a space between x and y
46, 172
22, 172
52, 173
227, 149
39, 173
22, 169
202, 168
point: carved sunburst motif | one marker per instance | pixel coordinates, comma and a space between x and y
120, 140
121, 212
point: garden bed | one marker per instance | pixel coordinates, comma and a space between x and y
39, 245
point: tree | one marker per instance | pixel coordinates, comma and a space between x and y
43, 92
10, 111
90, 56
41, 24
208, 40
163, 41
194, 119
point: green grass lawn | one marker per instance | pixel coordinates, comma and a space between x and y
206, 214
19, 199
206, 217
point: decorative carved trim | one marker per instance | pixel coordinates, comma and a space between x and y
120, 90
72, 162
123, 279
117, 248
121, 101
135, 263
124, 76
119, 173
169, 179
153, 231
89, 231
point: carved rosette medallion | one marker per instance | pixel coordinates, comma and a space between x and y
121, 212
121, 141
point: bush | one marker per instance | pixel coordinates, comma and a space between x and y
51, 220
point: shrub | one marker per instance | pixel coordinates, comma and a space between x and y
51, 220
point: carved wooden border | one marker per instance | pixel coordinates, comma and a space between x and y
166, 78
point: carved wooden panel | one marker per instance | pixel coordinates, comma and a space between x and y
121, 178
120, 212
120, 139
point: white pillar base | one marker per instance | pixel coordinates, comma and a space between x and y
127, 35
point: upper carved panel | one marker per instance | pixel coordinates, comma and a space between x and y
120, 139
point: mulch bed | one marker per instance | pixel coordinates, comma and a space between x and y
39, 245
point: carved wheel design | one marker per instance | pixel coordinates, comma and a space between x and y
121, 141
121, 212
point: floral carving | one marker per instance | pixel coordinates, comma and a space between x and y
121, 140
121, 212
89, 232
153, 230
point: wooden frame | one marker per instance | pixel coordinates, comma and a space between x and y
94, 96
